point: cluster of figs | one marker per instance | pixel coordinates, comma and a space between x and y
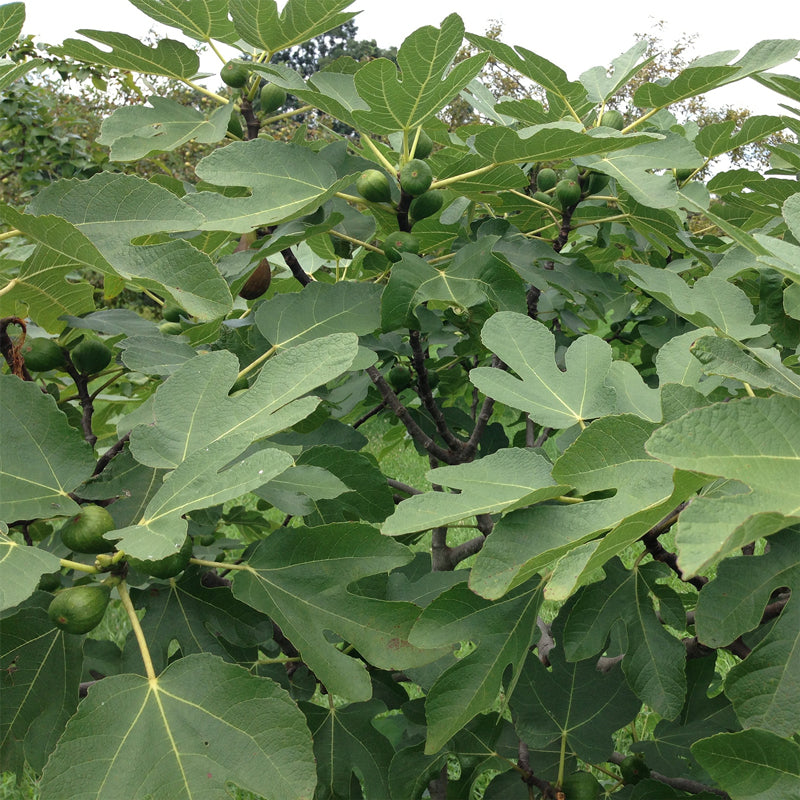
236, 74
415, 178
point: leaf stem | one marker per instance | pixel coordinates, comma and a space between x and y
207, 92
260, 360
353, 240
462, 177
380, 156
76, 565
10, 234
9, 286
218, 564
286, 115
122, 588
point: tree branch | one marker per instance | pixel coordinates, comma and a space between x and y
112, 451
414, 430
294, 265
426, 395
684, 784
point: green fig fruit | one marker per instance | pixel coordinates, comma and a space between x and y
568, 192
235, 126
167, 567
424, 145
41, 354
79, 609
84, 533
426, 205
272, 98
173, 313
398, 243
234, 74
171, 328
546, 179
633, 769
373, 185
416, 177
400, 377
613, 119
91, 356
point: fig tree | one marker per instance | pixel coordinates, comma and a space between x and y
79, 609
398, 243
415, 177
41, 355
91, 356
373, 185
546, 179
426, 205
568, 192
234, 74
272, 98
84, 533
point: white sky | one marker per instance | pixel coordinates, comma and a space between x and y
575, 35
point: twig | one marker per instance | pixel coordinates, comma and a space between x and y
403, 487
426, 395
684, 784
403, 415
109, 454
371, 413
294, 265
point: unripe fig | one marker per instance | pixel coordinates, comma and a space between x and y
41, 355
373, 185
424, 145
415, 177
173, 313
79, 609
398, 243
426, 205
546, 179
400, 377
581, 786
613, 119
167, 567
234, 74
568, 192
91, 356
272, 98
83, 533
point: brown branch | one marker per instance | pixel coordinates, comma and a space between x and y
294, 265
426, 394
683, 784
471, 446
112, 451
250, 118
84, 398
414, 430
403, 222
440, 552
464, 550
370, 414
402, 487
660, 553
524, 764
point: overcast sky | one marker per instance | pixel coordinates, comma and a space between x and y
575, 35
